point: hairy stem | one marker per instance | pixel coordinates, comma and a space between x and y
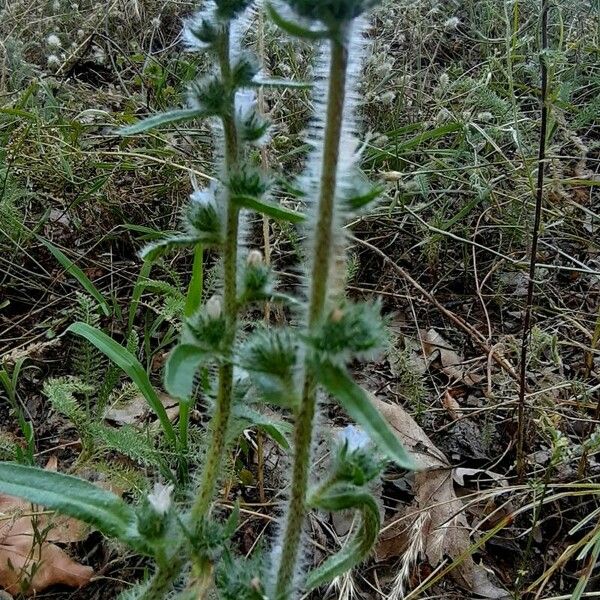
319, 276
521, 416
220, 418
161, 582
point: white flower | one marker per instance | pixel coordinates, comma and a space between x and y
56, 5
486, 117
354, 438
53, 41
160, 498
387, 97
213, 307
452, 23
444, 80
155, 22
245, 101
53, 61
202, 197
254, 258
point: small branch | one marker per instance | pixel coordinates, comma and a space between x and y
477, 337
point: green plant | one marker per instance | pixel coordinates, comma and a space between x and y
285, 367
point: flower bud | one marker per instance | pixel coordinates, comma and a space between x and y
254, 258
160, 498
214, 307
337, 314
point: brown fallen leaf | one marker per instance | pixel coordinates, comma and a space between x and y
29, 562
437, 514
451, 405
452, 364
135, 409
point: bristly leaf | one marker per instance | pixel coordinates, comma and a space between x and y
228, 9
209, 95
74, 497
264, 207
155, 250
342, 496
248, 181
180, 370
246, 417
358, 192
270, 356
349, 330
293, 28
339, 383
238, 578
202, 217
333, 13
243, 71
206, 332
162, 119
276, 83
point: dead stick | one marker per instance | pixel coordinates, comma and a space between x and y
475, 335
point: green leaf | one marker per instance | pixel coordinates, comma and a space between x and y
338, 382
363, 199
167, 118
342, 497
293, 28
274, 428
71, 268
155, 250
181, 368
277, 82
74, 497
275, 211
132, 366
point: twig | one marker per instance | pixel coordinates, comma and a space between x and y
521, 416
475, 335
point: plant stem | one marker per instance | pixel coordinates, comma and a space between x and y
319, 277
194, 294
521, 416
220, 418
161, 582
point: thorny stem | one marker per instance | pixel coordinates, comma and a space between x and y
321, 261
220, 418
521, 416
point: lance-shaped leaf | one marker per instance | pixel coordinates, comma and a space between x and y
73, 497
132, 366
275, 211
246, 417
166, 118
155, 250
342, 496
294, 29
339, 383
71, 268
280, 82
181, 368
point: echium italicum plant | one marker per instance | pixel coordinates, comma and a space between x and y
287, 367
